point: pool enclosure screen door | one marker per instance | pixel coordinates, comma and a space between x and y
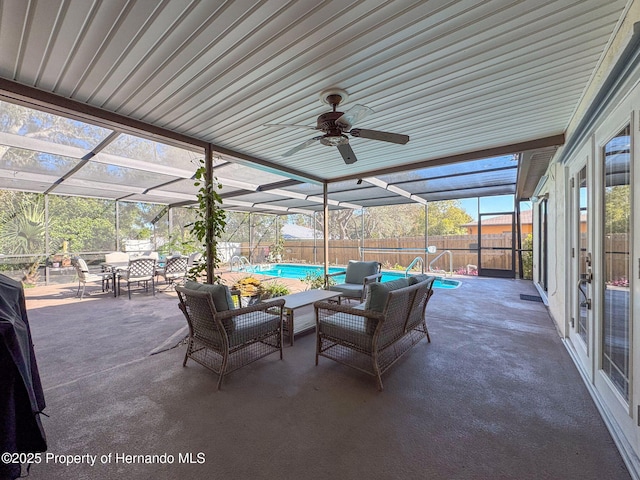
496, 252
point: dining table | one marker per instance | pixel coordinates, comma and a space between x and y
115, 268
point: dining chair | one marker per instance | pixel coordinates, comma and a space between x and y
175, 268
85, 276
141, 270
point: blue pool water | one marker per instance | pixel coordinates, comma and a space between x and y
299, 272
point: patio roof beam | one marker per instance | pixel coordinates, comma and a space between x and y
459, 174
510, 184
123, 199
14, 92
235, 193
266, 206
40, 100
84, 160
170, 182
554, 140
280, 184
394, 189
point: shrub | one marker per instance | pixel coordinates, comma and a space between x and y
274, 289
315, 280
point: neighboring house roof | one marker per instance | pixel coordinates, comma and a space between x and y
525, 217
290, 231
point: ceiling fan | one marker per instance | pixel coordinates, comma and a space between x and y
336, 125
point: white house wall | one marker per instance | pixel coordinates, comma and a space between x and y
557, 257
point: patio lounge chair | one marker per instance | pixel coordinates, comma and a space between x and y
222, 338
142, 270
357, 276
84, 276
372, 336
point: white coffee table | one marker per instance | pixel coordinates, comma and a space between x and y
300, 306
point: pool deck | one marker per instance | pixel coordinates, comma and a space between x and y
494, 395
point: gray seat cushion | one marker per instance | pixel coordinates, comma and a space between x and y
351, 290
350, 328
249, 326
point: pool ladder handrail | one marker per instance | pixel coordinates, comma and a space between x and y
413, 264
242, 262
450, 272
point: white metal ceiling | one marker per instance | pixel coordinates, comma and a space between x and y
457, 76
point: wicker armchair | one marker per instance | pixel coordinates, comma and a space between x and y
224, 339
357, 276
372, 336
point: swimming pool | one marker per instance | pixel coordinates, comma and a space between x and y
299, 272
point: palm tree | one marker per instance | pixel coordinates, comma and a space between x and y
22, 231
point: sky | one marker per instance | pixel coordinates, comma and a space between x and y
497, 204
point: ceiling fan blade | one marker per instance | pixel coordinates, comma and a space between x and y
353, 116
347, 154
306, 144
288, 125
377, 135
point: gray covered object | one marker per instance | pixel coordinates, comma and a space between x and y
21, 394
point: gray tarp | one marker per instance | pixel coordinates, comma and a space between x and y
21, 395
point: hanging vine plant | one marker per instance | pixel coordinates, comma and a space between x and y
209, 225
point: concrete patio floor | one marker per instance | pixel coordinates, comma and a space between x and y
494, 396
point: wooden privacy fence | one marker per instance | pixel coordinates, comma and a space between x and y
392, 252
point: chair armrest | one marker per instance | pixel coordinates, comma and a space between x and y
372, 278
332, 308
337, 307
256, 307
335, 274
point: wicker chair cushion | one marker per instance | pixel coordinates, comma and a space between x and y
413, 279
350, 329
351, 290
251, 326
356, 271
379, 291
220, 294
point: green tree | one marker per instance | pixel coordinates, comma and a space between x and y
446, 217
618, 209
87, 224
527, 257
394, 221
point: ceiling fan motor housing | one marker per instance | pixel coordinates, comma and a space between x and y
327, 122
333, 133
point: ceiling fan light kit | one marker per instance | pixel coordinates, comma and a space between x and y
336, 125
